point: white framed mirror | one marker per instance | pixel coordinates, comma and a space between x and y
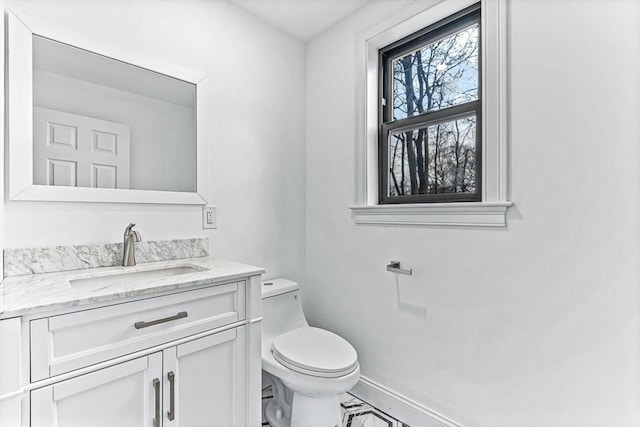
91, 125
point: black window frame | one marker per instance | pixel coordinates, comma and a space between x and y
387, 125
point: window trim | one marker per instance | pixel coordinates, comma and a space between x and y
491, 210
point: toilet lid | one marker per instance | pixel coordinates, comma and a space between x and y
315, 351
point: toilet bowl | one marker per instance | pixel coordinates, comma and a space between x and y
309, 368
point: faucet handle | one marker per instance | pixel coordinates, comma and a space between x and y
128, 229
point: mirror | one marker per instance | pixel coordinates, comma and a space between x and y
102, 123
85, 126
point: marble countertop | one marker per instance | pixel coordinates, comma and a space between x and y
29, 294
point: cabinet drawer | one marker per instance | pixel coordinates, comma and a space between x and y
66, 342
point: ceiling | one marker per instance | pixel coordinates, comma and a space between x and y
303, 19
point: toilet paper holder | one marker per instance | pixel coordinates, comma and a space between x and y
394, 267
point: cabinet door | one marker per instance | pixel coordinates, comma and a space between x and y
120, 395
205, 383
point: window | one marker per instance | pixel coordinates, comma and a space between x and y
432, 116
430, 109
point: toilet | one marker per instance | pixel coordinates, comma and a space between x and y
309, 368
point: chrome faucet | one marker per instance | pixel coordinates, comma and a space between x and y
130, 237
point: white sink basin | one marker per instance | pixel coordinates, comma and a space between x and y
118, 277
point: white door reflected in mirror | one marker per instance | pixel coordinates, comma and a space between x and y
78, 151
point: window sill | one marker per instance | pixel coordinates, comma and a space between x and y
476, 214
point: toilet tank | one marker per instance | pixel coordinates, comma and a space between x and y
281, 308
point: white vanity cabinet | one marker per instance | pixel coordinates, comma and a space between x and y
197, 383
184, 358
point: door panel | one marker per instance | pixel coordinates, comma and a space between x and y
62, 172
209, 381
121, 395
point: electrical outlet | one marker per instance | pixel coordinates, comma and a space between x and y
209, 217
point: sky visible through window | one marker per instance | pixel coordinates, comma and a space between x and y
438, 75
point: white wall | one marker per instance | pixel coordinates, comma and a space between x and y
255, 131
535, 324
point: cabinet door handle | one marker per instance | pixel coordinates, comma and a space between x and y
140, 325
171, 414
156, 389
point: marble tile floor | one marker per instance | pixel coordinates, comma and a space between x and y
355, 412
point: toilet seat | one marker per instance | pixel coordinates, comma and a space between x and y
316, 352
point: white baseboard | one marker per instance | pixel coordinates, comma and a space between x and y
398, 406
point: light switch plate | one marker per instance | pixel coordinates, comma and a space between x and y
209, 217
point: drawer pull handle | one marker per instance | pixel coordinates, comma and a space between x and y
156, 389
140, 325
171, 414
